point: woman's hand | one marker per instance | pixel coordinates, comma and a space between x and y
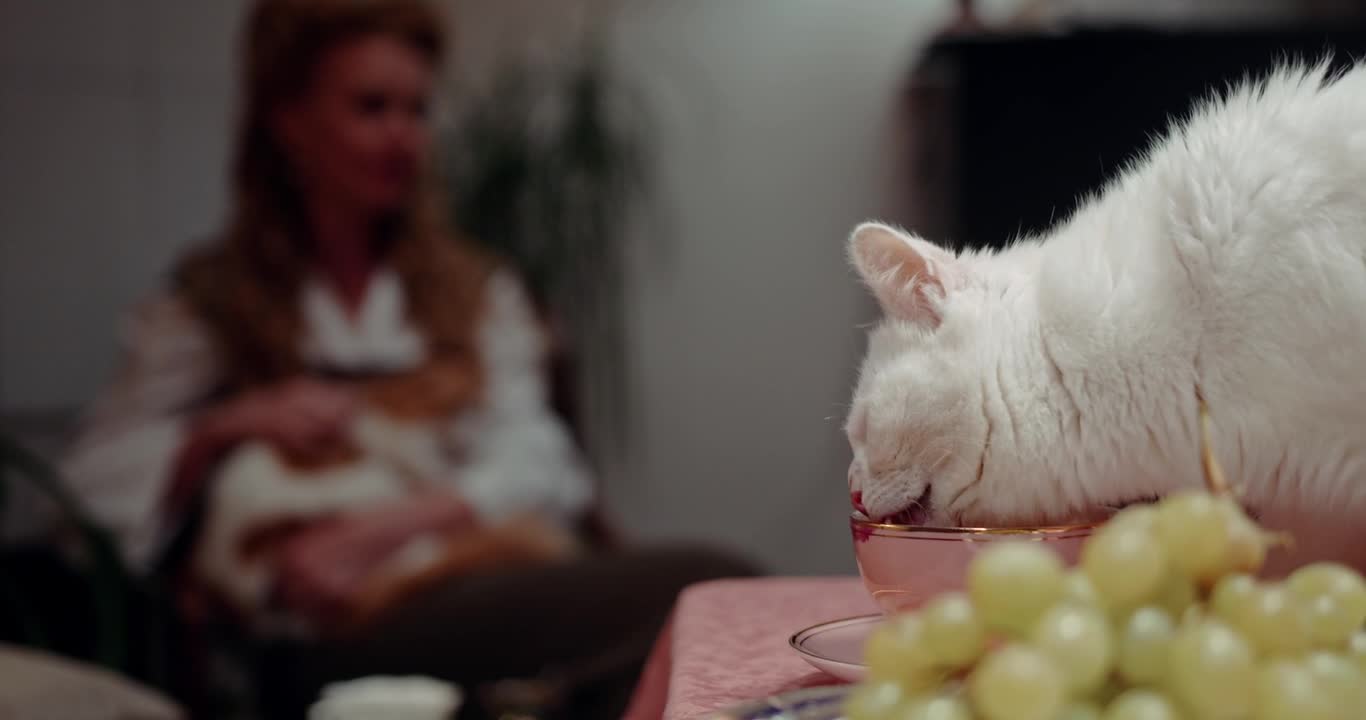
303, 418
298, 416
322, 568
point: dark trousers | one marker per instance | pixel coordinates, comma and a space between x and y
581, 629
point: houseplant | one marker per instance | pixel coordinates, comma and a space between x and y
541, 169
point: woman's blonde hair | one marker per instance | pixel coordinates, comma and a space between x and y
246, 285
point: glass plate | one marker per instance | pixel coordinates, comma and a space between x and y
837, 647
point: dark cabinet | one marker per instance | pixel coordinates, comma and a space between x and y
1008, 133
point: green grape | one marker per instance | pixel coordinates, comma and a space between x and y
1176, 594
1336, 598
1193, 615
1330, 624
1339, 679
878, 700
1273, 621
1140, 704
1125, 565
1109, 691
1017, 683
1144, 644
1288, 691
1139, 516
953, 631
1326, 578
1232, 594
1356, 650
1209, 670
897, 651
1013, 583
937, 708
1079, 711
1191, 529
1079, 641
1077, 589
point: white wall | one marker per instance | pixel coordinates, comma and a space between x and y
114, 121
772, 145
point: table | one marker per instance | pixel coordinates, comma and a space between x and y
727, 642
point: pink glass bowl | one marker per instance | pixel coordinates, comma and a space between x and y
905, 565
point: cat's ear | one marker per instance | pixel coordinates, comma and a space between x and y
906, 274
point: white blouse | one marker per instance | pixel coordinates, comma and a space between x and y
520, 458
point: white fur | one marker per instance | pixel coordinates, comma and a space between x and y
1059, 377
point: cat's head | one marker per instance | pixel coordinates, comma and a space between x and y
918, 424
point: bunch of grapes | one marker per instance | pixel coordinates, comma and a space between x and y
1162, 619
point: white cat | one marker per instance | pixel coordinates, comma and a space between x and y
1058, 379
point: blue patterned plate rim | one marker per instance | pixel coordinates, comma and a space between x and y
818, 703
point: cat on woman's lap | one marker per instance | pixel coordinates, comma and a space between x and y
1057, 380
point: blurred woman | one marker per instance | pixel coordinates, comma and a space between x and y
338, 379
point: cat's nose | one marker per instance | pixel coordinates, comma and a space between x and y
856, 499
855, 491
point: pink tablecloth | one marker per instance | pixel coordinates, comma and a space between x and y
727, 643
